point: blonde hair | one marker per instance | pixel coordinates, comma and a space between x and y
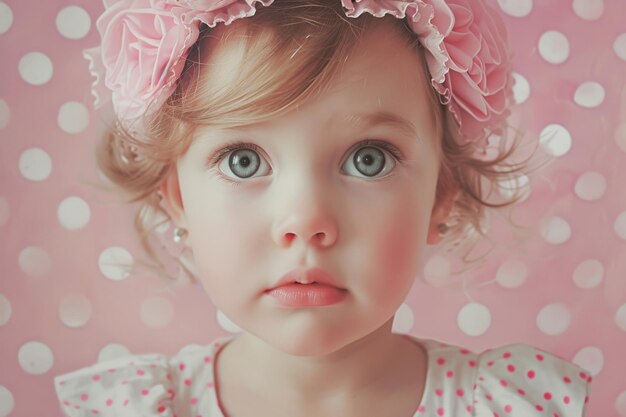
309, 43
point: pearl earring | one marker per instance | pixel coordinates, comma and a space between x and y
179, 234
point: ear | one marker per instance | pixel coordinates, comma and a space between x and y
440, 213
172, 201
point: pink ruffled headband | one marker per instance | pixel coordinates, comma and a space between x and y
145, 44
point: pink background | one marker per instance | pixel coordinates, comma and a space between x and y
62, 307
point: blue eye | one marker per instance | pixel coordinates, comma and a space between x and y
371, 161
243, 161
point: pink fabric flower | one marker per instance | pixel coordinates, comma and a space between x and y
479, 81
142, 43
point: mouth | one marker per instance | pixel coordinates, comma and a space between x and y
308, 276
310, 294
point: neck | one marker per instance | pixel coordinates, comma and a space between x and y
367, 365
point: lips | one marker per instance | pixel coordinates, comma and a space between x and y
308, 276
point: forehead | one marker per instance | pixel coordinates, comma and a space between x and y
382, 66
381, 80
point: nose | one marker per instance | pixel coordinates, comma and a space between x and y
305, 218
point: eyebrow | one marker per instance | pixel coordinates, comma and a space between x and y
382, 118
367, 120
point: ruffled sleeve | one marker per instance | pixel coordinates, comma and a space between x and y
138, 385
524, 381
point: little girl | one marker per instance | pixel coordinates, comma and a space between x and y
307, 152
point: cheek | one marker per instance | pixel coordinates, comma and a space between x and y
399, 244
224, 240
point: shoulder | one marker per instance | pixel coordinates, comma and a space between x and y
528, 381
147, 384
515, 379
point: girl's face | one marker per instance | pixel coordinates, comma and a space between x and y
308, 192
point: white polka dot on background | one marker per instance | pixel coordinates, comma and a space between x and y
5, 310
75, 310
516, 8
5, 211
620, 225
5, 114
34, 261
620, 136
589, 94
73, 22
512, 274
520, 185
553, 319
113, 351
555, 139
35, 68
588, 9
115, 263
156, 312
437, 270
521, 88
73, 117
226, 323
474, 319
35, 358
620, 317
554, 47
555, 230
403, 320
6, 401
73, 213
590, 358
35, 164
6, 17
588, 274
590, 186
619, 46
620, 404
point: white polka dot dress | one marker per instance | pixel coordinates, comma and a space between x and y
511, 381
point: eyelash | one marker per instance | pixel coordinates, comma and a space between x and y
237, 145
